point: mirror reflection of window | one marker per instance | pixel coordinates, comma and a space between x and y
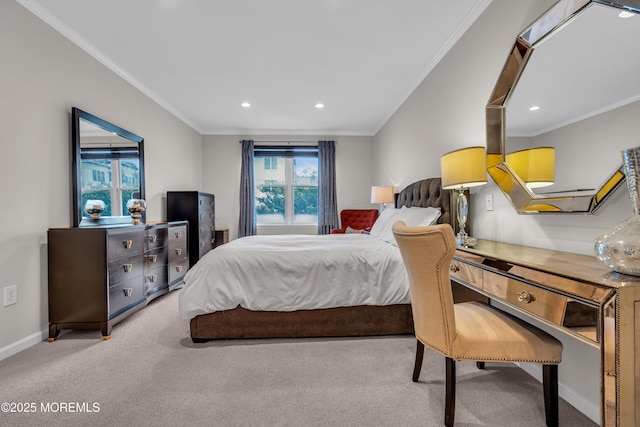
114, 181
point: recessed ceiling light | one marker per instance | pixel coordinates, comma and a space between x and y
319, 105
534, 108
625, 14
246, 105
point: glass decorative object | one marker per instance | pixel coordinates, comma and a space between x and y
136, 207
95, 208
619, 247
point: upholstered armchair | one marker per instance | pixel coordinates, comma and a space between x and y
356, 219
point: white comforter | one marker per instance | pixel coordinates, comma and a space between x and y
295, 272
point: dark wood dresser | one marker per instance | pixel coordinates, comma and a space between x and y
100, 275
198, 209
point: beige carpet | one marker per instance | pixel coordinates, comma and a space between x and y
151, 374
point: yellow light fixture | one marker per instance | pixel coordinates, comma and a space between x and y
462, 169
382, 195
536, 167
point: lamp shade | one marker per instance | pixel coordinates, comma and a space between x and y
536, 167
381, 194
466, 167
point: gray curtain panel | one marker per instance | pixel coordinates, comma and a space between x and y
327, 200
247, 226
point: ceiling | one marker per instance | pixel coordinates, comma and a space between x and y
201, 59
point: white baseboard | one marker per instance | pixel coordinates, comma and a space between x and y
587, 407
23, 344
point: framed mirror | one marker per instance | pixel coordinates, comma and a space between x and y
108, 170
570, 87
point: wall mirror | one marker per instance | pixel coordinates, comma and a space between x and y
578, 65
108, 170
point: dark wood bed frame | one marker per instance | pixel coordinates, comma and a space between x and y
332, 322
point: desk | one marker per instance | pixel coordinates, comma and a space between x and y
577, 296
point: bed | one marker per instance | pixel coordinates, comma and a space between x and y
344, 285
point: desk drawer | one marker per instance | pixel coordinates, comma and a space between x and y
466, 273
541, 302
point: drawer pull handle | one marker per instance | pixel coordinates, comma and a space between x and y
524, 297
152, 238
178, 234
127, 292
127, 244
127, 268
454, 268
179, 251
152, 258
152, 278
178, 268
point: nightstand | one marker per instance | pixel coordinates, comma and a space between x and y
222, 237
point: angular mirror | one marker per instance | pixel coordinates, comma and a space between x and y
108, 170
568, 89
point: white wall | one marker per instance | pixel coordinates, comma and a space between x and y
447, 112
222, 158
42, 76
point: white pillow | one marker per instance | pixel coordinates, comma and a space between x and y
350, 230
381, 222
414, 216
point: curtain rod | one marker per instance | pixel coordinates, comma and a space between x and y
282, 142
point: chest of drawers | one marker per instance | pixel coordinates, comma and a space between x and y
198, 209
100, 275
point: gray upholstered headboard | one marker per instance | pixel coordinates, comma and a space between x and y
429, 192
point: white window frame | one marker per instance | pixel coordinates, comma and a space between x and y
289, 187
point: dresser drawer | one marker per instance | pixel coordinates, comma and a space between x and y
177, 270
155, 238
155, 257
205, 202
123, 269
177, 253
155, 278
546, 304
205, 246
206, 217
124, 294
206, 230
123, 245
178, 236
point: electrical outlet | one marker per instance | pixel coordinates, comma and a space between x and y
10, 295
489, 202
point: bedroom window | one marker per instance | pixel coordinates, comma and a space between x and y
286, 180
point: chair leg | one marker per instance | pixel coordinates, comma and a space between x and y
480, 365
418, 364
550, 385
450, 404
